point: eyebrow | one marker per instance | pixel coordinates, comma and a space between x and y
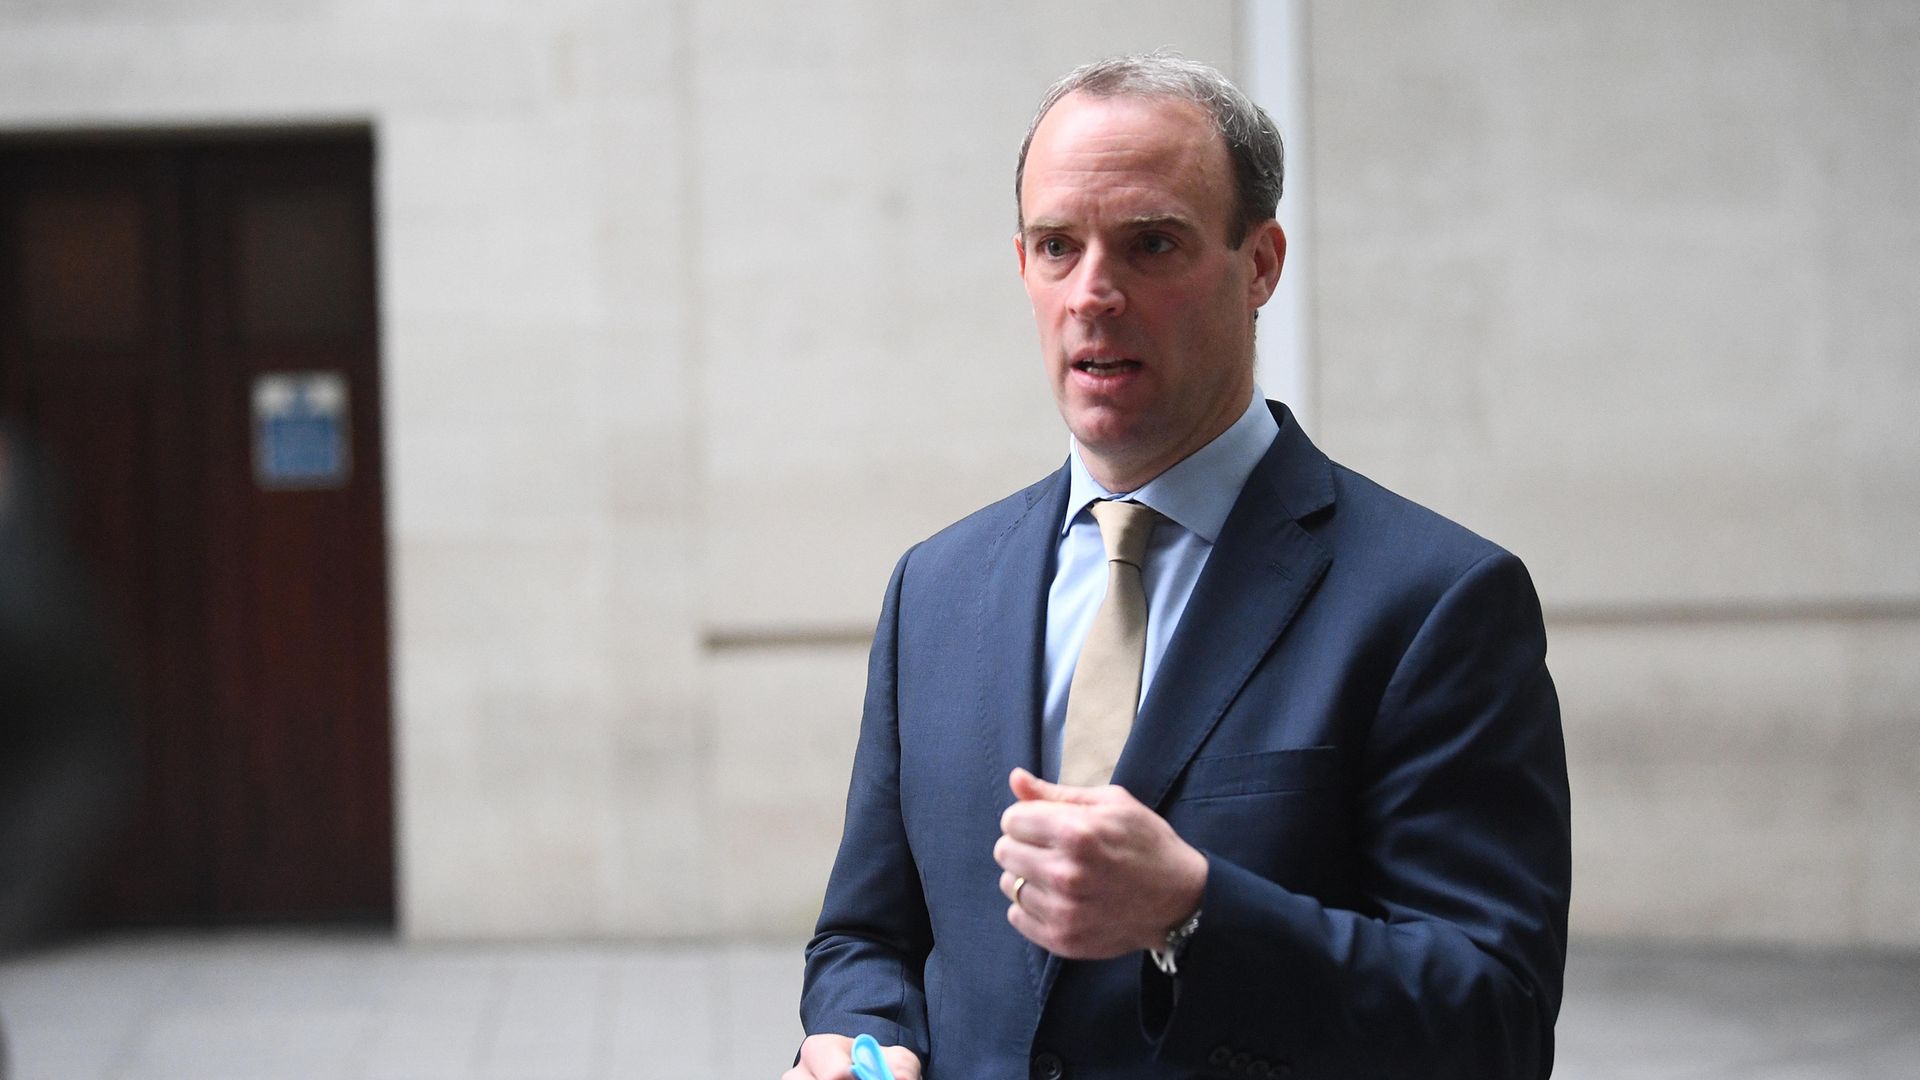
1160, 221
1145, 221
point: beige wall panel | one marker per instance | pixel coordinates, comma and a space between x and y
508, 707
869, 361
1713, 778
1883, 689
1584, 282
504, 439
494, 220
652, 883
780, 742
90, 69
1627, 288
1743, 783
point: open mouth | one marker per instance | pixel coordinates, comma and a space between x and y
1105, 366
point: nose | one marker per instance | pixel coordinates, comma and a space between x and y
1096, 288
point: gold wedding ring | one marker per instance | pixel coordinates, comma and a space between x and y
1018, 884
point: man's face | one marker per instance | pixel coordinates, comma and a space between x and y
1145, 314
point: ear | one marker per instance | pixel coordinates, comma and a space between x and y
1269, 252
1020, 252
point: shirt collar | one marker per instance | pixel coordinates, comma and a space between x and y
1199, 491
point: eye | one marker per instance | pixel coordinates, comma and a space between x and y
1053, 247
1156, 243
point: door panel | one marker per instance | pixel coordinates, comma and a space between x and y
145, 286
288, 272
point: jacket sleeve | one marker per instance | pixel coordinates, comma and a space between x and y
865, 962
1451, 967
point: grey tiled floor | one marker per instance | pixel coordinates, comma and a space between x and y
293, 1006
290, 1006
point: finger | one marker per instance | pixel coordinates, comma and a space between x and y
1019, 856
1025, 924
1030, 788
1036, 824
1033, 899
1025, 785
826, 1057
1015, 892
904, 1063
1053, 823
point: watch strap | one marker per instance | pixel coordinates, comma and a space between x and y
1167, 957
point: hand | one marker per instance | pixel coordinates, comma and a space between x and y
830, 1057
1105, 875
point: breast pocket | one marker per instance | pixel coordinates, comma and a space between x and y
1221, 776
1277, 813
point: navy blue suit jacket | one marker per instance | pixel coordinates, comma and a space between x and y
1353, 721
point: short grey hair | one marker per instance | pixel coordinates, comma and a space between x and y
1253, 142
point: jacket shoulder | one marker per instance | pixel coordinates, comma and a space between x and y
1388, 526
989, 525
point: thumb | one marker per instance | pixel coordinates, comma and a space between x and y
1028, 788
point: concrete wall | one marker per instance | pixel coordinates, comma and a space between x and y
696, 314
683, 304
1627, 286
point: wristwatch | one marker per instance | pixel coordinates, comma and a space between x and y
1167, 956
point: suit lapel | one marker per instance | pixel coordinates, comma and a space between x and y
1012, 648
1259, 573
1012, 630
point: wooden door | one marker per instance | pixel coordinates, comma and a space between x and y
162, 301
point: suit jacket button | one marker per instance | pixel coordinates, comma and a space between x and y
1220, 1056
1239, 1063
1047, 1066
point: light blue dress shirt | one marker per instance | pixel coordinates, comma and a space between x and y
1195, 496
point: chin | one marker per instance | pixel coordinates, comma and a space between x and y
1103, 433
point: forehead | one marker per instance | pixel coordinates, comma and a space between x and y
1163, 153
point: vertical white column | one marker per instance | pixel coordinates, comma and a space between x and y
1273, 62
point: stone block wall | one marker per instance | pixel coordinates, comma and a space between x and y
695, 315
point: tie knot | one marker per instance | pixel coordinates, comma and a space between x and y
1125, 527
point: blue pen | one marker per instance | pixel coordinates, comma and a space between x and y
867, 1062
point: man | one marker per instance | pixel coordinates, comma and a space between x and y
1335, 842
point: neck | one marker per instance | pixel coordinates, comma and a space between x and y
1119, 479
1120, 471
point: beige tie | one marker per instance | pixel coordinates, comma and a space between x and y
1105, 692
